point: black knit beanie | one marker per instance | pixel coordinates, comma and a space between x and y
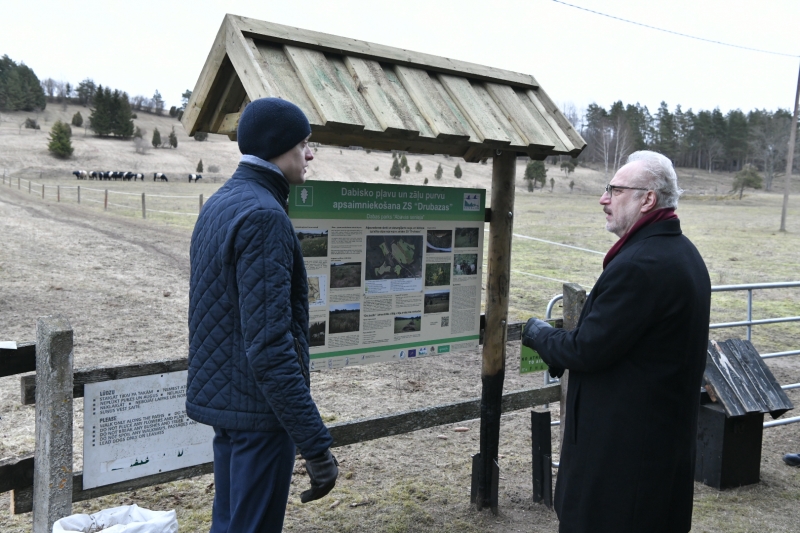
270, 127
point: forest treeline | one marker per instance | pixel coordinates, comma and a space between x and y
20, 89
708, 140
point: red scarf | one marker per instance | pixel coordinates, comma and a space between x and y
667, 213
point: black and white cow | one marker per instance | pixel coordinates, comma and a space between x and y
138, 176
159, 176
95, 175
81, 174
195, 177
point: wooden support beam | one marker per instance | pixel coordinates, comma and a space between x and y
485, 468
574, 299
18, 361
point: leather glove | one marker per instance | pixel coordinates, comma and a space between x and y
322, 471
531, 330
555, 372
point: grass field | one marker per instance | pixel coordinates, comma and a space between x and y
345, 275
405, 324
344, 321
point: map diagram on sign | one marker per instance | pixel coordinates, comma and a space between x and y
394, 257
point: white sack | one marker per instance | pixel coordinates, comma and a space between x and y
123, 519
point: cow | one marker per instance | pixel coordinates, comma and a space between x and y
195, 177
81, 174
128, 176
138, 176
159, 176
95, 175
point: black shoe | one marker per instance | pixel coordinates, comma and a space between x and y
792, 459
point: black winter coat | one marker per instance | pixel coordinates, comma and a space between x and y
635, 363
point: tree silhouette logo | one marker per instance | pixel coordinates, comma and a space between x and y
304, 196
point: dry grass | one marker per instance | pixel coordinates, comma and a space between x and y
109, 271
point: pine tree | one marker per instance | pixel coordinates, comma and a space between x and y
457, 171
200, 166
121, 115
418, 167
20, 89
747, 177
100, 118
535, 172
173, 139
77, 119
156, 142
439, 172
403, 161
395, 171
60, 144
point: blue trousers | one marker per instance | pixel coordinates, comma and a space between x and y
252, 473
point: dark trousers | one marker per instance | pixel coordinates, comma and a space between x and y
252, 473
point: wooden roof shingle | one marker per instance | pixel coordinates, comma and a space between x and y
364, 94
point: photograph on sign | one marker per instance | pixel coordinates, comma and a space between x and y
137, 427
403, 266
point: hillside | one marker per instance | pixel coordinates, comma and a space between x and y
23, 153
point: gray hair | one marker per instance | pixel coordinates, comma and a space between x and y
658, 174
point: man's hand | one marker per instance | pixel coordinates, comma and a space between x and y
322, 471
531, 330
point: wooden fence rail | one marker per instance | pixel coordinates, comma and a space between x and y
17, 474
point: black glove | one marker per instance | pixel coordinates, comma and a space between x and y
555, 372
322, 471
531, 330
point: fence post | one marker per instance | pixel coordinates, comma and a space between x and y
42, 191
201, 202
52, 475
574, 298
144, 208
58, 193
29, 186
19, 184
105, 201
542, 458
79, 194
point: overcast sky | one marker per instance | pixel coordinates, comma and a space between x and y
576, 56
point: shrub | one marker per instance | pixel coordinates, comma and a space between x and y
60, 144
439, 172
156, 142
213, 169
395, 171
173, 139
200, 136
457, 172
418, 167
31, 124
77, 119
200, 166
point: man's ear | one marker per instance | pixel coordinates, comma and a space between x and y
650, 201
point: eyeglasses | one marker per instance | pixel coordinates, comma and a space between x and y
611, 188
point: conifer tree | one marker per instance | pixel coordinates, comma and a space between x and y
439, 172
100, 118
395, 171
77, 119
173, 139
403, 161
156, 142
200, 166
60, 144
418, 167
457, 172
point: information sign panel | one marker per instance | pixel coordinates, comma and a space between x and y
136, 427
394, 271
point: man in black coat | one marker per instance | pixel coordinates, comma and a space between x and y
635, 361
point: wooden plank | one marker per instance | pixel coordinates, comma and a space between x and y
433, 108
229, 124
420, 124
451, 104
284, 80
380, 94
722, 389
561, 120
243, 54
16, 473
323, 87
96, 375
230, 101
518, 115
201, 95
350, 86
548, 124
774, 399
344, 434
18, 361
731, 369
482, 120
499, 116
353, 47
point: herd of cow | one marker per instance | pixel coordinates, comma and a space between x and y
125, 176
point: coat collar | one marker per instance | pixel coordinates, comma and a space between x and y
267, 174
667, 228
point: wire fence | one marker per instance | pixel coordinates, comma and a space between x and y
111, 199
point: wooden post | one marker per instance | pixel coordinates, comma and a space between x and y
144, 207
201, 202
58, 193
42, 191
52, 476
19, 184
29, 186
790, 156
485, 471
541, 458
105, 201
574, 298
79, 194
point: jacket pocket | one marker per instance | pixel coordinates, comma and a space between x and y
303, 369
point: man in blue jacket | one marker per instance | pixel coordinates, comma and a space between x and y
635, 364
248, 329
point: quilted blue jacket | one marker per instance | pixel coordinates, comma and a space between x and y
248, 313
